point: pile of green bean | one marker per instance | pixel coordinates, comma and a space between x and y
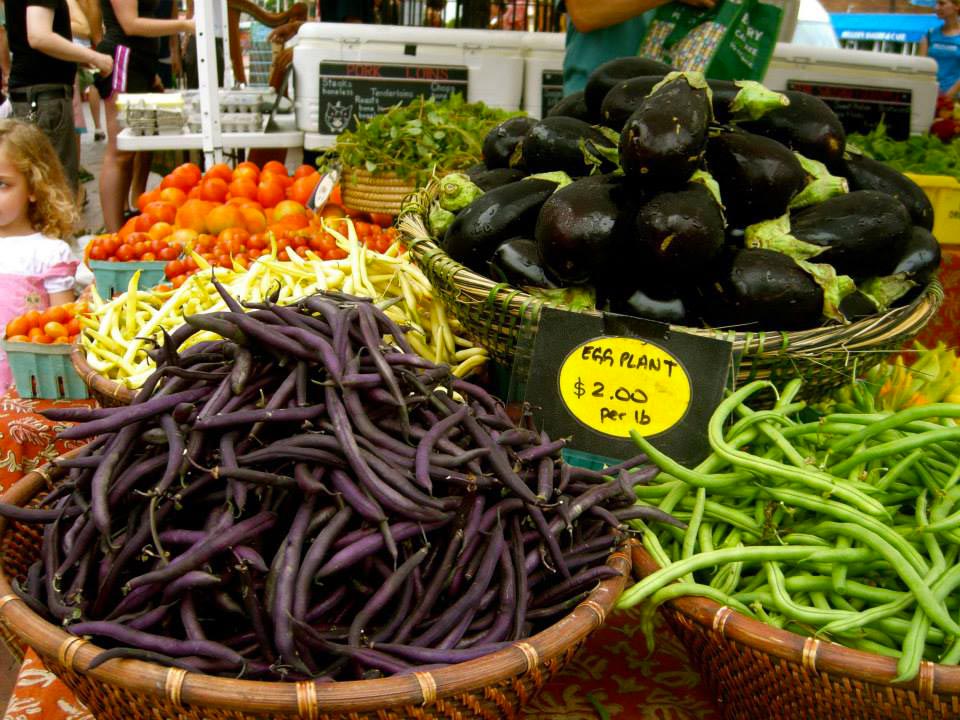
842, 525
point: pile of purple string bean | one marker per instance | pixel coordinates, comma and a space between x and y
308, 498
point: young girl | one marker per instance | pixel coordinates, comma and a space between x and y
36, 210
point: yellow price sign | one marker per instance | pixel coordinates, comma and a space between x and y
617, 384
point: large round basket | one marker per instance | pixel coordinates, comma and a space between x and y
381, 193
759, 672
108, 393
495, 315
491, 687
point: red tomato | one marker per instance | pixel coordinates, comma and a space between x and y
125, 253
169, 253
174, 268
148, 256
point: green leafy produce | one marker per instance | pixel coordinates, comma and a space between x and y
924, 154
420, 138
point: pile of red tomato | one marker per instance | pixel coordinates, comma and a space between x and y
57, 324
227, 216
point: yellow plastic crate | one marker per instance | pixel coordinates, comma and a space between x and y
944, 194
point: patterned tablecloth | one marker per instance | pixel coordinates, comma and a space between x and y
613, 677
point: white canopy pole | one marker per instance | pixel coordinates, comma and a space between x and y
207, 84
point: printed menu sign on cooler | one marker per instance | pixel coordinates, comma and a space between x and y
349, 91
861, 108
595, 377
551, 90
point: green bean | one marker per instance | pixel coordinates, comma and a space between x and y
796, 538
839, 575
651, 544
813, 479
929, 482
762, 419
785, 604
675, 469
851, 515
920, 440
728, 577
899, 564
952, 654
777, 621
683, 589
842, 603
705, 536
654, 491
653, 582
897, 470
693, 527
819, 601
718, 511
912, 650
899, 419
819, 428
873, 647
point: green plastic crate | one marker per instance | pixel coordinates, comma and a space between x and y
44, 371
114, 277
586, 460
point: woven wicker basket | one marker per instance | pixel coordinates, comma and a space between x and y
492, 314
491, 687
106, 392
759, 672
382, 193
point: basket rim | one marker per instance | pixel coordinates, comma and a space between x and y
846, 339
814, 655
97, 382
307, 698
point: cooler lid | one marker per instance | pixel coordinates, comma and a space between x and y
854, 60
407, 35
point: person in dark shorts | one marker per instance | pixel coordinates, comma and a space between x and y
42, 73
130, 37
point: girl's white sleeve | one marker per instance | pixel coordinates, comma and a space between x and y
59, 267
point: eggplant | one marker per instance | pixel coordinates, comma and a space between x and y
663, 142
862, 233
806, 125
921, 257
489, 179
572, 105
730, 99
758, 176
680, 232
605, 76
507, 211
580, 228
557, 143
624, 98
763, 290
516, 261
501, 141
653, 303
865, 173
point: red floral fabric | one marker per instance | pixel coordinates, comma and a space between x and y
945, 327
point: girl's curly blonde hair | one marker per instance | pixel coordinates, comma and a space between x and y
52, 210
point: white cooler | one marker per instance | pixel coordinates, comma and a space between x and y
861, 86
542, 71
369, 68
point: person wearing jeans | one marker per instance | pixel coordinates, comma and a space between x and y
42, 72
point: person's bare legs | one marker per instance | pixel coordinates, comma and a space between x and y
93, 97
115, 173
141, 172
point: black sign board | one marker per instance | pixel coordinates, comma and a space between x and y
861, 107
595, 377
361, 90
551, 90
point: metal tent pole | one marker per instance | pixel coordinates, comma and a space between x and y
207, 84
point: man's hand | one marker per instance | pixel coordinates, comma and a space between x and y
102, 62
704, 4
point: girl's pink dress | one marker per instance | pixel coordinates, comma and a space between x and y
27, 289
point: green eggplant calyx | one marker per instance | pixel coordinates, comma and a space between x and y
576, 298
709, 182
595, 155
755, 100
557, 176
440, 219
775, 235
814, 168
696, 80
886, 290
819, 190
835, 287
457, 191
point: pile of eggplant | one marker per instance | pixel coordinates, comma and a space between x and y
696, 202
